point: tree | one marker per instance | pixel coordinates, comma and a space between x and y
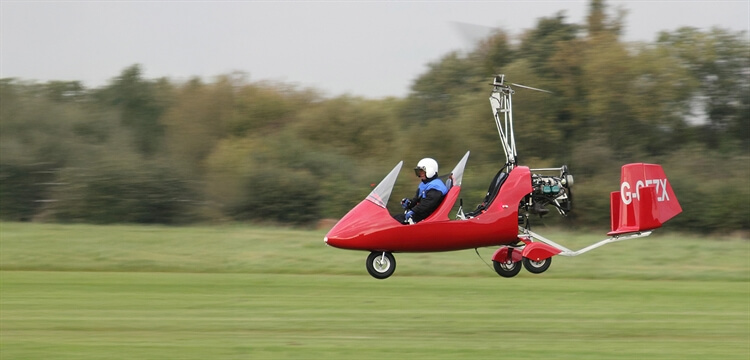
540, 44
22, 190
262, 108
124, 189
718, 62
493, 53
349, 125
599, 23
196, 121
434, 93
141, 105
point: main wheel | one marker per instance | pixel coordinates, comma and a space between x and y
380, 264
537, 267
507, 269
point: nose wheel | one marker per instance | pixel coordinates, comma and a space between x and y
380, 264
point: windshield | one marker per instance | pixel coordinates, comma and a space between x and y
457, 175
380, 195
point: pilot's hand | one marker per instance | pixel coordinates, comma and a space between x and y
408, 215
405, 203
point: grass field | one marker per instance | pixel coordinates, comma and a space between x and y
244, 292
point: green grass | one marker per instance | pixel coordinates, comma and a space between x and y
242, 292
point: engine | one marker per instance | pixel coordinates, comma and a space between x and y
549, 191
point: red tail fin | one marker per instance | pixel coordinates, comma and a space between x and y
645, 200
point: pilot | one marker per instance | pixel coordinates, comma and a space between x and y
429, 194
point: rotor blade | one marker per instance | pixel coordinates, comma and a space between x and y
471, 34
531, 88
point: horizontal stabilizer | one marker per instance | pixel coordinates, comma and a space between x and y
645, 200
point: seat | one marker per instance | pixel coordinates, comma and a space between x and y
453, 183
448, 180
446, 203
492, 191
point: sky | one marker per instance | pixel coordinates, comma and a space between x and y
373, 49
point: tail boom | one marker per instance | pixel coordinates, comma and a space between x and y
645, 202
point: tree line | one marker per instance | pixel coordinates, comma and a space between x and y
143, 150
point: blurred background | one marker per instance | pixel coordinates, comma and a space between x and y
169, 147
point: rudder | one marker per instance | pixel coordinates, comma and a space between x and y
645, 200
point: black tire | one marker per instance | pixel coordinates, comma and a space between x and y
507, 269
537, 267
380, 264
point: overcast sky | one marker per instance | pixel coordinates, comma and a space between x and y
372, 49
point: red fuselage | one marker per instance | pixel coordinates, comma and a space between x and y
371, 227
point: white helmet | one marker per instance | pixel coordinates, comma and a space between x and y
429, 165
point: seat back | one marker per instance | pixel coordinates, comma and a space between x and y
446, 204
453, 183
448, 180
492, 191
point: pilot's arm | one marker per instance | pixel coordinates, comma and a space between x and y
425, 206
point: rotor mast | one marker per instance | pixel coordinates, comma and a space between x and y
501, 102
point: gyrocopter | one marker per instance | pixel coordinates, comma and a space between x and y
643, 203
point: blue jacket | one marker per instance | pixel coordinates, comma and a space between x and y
434, 183
430, 194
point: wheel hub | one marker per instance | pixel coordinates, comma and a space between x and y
381, 264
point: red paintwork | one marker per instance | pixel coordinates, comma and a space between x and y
501, 255
371, 227
539, 251
645, 200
